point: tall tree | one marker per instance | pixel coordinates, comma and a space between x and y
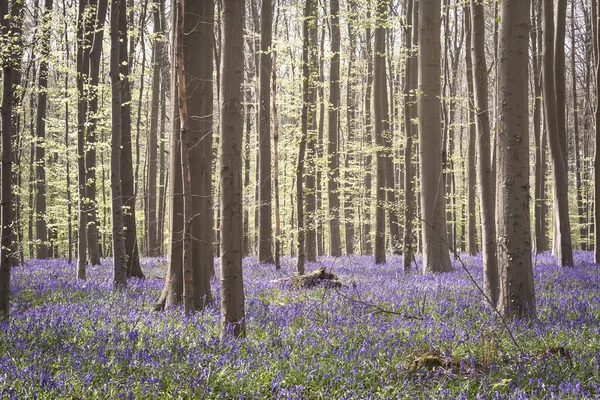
436, 257
265, 226
131, 244
308, 12
539, 209
92, 239
84, 37
41, 228
596, 157
485, 179
333, 162
367, 246
516, 296
410, 112
230, 166
6, 219
198, 47
562, 233
119, 255
379, 105
471, 170
151, 189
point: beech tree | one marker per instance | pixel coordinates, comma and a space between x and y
516, 295
265, 232
230, 167
436, 257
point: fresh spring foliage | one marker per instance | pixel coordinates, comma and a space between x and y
82, 339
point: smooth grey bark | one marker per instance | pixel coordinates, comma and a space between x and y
300, 166
333, 161
310, 176
198, 50
230, 165
539, 209
265, 226
379, 104
562, 246
471, 170
485, 177
516, 296
83, 40
436, 256
367, 242
173, 288
41, 228
410, 112
118, 240
6, 195
151, 185
92, 239
130, 230
596, 217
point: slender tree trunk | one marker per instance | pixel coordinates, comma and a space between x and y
265, 226
541, 243
311, 142
278, 247
83, 40
308, 12
379, 101
67, 144
6, 194
596, 218
188, 275
131, 245
436, 256
578, 186
92, 239
366, 228
562, 233
516, 296
485, 179
410, 112
163, 176
333, 162
173, 287
119, 255
349, 218
471, 173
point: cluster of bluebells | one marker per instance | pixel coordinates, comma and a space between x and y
81, 339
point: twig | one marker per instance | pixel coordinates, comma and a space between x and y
479, 288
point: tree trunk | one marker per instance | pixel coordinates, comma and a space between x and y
485, 178
265, 227
198, 55
278, 247
410, 112
173, 287
6, 194
119, 255
90, 156
379, 101
596, 218
151, 195
308, 12
366, 205
41, 229
471, 170
562, 233
230, 165
130, 231
539, 211
333, 162
312, 142
83, 40
435, 244
516, 296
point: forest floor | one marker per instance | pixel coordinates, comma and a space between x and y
382, 334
